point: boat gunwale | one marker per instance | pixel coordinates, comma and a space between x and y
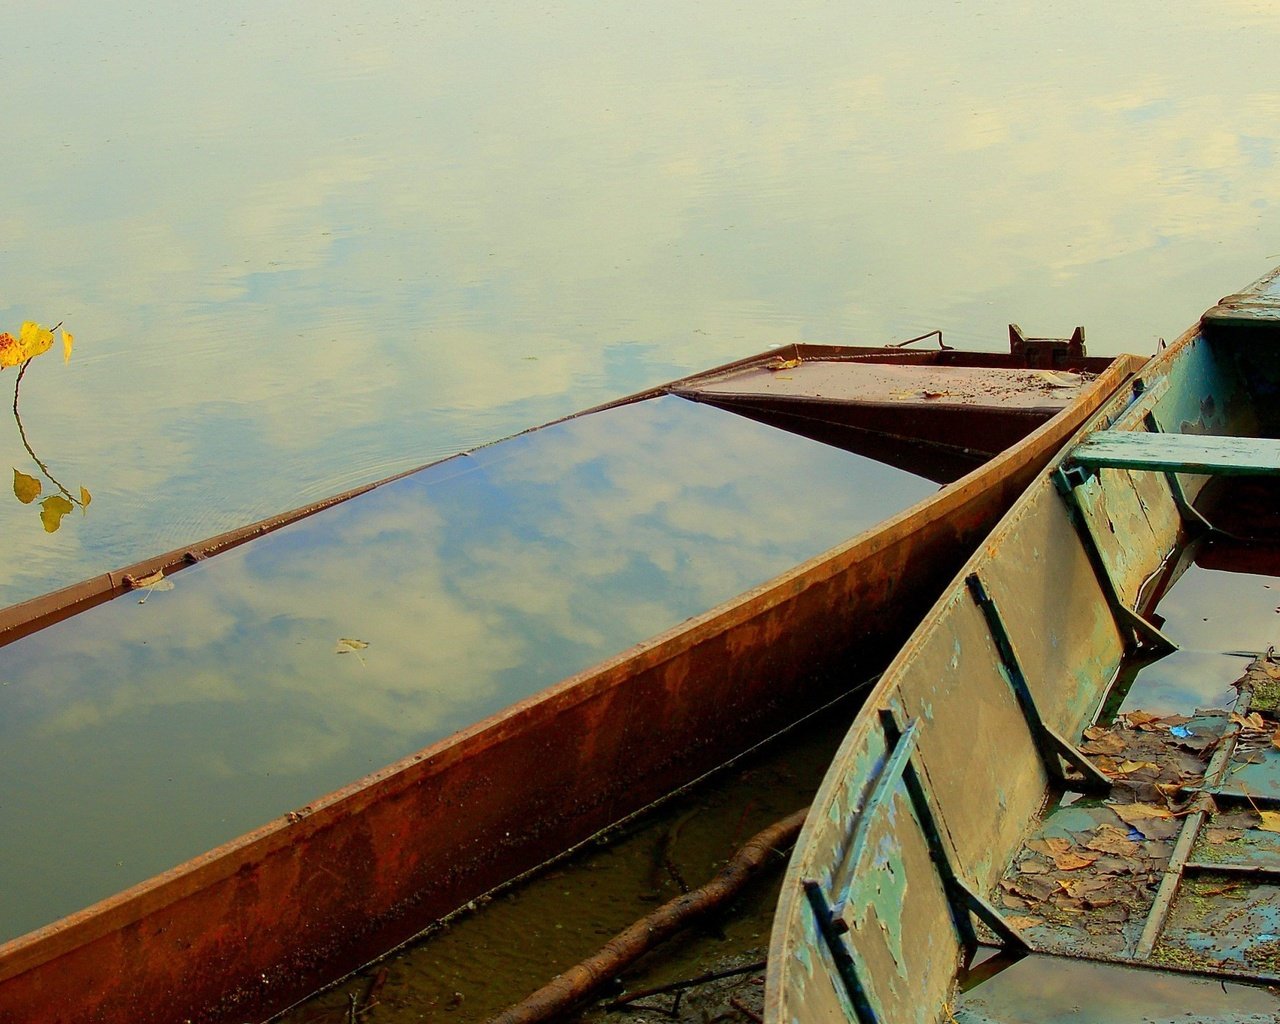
29, 616
1120, 410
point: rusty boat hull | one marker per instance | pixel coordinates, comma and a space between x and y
1059, 802
249, 927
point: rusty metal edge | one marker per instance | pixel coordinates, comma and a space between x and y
131, 906
26, 617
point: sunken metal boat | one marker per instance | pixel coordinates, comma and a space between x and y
1062, 800
448, 640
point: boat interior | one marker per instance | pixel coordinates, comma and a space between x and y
1062, 802
292, 734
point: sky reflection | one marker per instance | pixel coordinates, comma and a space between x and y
139, 734
305, 248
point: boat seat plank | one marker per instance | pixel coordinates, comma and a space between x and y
1209, 454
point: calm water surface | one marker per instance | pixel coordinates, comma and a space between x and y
302, 248
156, 726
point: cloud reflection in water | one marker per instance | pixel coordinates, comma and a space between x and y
139, 735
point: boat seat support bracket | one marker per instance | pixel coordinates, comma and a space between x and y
832, 926
1054, 749
1138, 631
961, 897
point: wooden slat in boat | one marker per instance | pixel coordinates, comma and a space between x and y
1006, 834
247, 928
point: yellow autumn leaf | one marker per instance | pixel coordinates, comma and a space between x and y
52, 509
68, 339
32, 340
85, 497
1270, 821
1137, 812
348, 644
25, 488
1129, 767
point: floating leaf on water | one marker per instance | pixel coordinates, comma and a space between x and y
68, 340
52, 509
156, 581
137, 582
347, 644
25, 488
85, 497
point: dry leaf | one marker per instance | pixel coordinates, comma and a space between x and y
1218, 836
136, 582
1020, 921
1107, 743
1270, 821
782, 364
155, 581
25, 488
1050, 847
85, 497
1116, 841
1073, 861
346, 645
68, 339
1251, 721
1129, 767
1136, 812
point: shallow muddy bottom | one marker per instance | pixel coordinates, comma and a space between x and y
484, 960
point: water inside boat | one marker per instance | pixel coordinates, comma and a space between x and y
1095, 878
165, 722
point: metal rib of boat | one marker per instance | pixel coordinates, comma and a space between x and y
1061, 801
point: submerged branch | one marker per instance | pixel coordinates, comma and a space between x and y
579, 981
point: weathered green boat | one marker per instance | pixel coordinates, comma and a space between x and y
1062, 800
